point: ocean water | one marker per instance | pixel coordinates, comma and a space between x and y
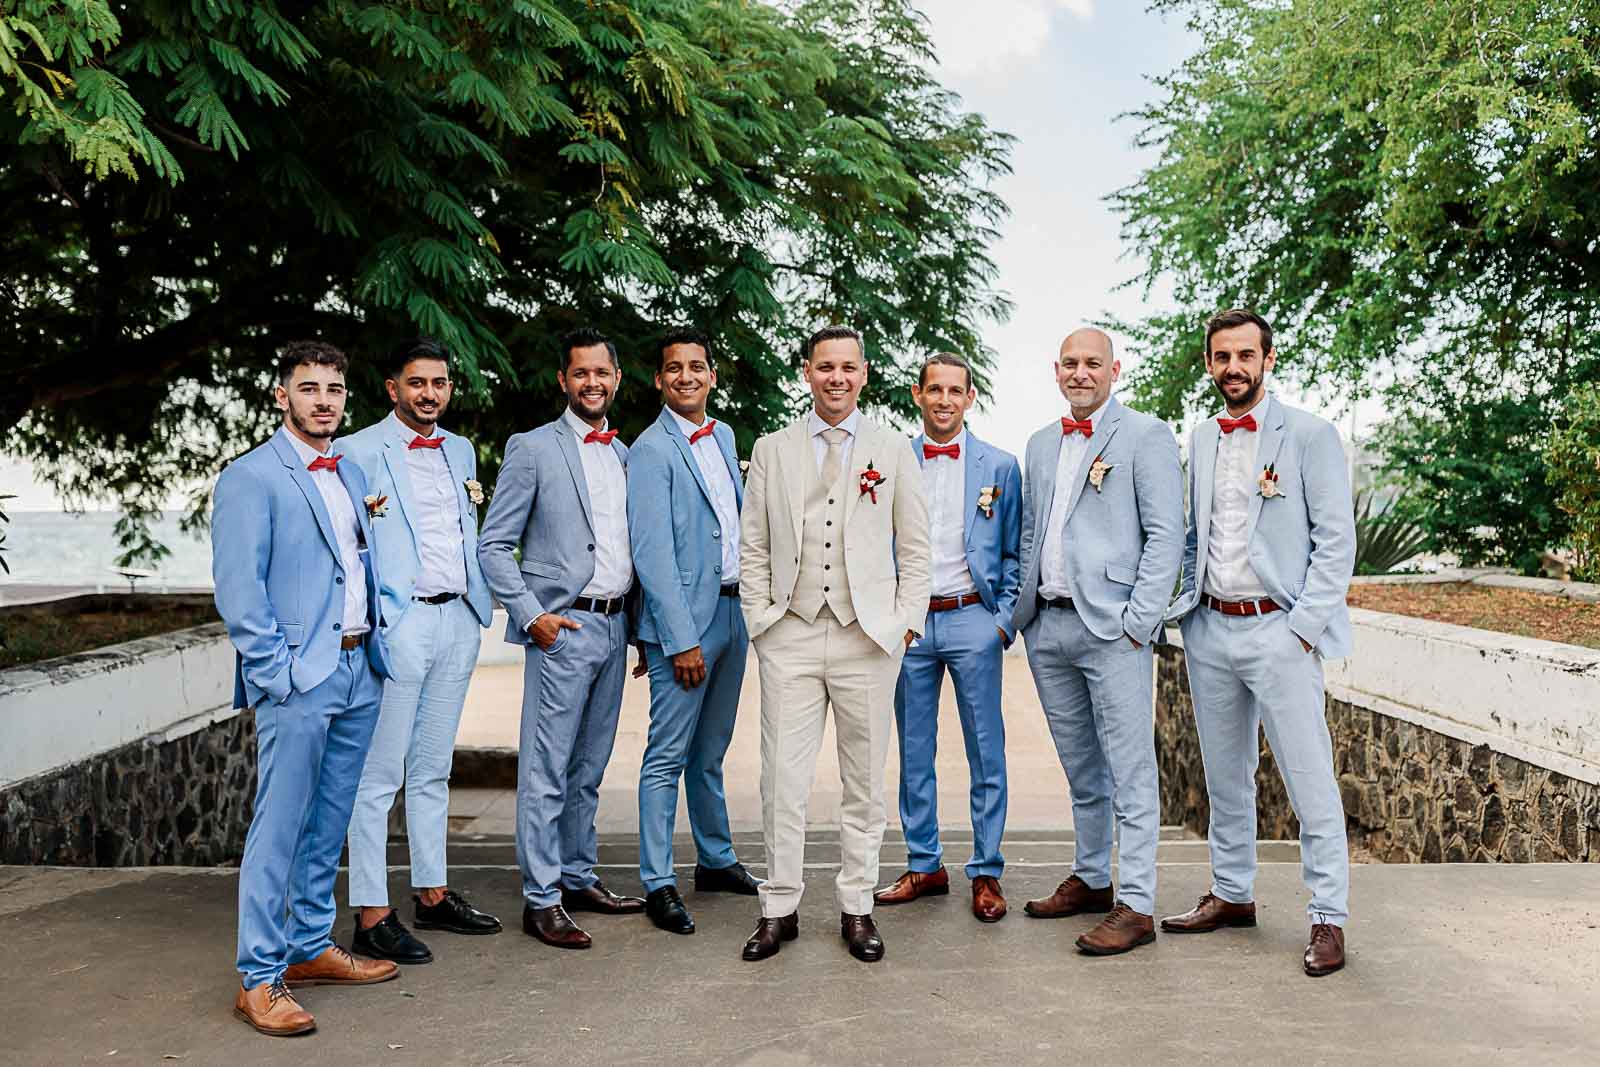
61, 548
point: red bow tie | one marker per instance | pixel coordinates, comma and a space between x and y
704, 431
1229, 425
602, 436
326, 463
1072, 426
425, 442
929, 451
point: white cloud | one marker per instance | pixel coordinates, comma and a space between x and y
975, 39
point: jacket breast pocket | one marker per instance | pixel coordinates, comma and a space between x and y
1122, 573
542, 569
293, 633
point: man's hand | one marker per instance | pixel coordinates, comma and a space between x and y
911, 635
547, 627
689, 667
641, 667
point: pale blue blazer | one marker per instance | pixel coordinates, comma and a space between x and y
540, 507
279, 580
382, 458
1125, 539
993, 545
1302, 542
676, 538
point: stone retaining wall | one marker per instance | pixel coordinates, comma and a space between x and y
1411, 794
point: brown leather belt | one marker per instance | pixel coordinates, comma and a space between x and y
349, 641
1239, 607
951, 603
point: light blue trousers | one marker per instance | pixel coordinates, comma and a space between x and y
571, 696
1248, 673
689, 734
1099, 700
432, 651
966, 641
309, 752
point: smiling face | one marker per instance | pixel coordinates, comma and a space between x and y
944, 395
590, 382
1085, 371
1238, 366
421, 392
312, 402
836, 371
686, 380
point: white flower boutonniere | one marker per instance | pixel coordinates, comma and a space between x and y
377, 506
1098, 471
1269, 482
987, 495
474, 490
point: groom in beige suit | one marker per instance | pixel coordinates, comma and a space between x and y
833, 579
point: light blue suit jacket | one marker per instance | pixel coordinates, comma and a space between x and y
279, 580
380, 450
676, 538
541, 506
1303, 542
1125, 539
994, 545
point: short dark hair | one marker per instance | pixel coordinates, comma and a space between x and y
415, 348
943, 359
585, 337
683, 335
315, 353
834, 333
1227, 320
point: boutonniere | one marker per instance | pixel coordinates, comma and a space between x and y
986, 498
474, 490
744, 468
1269, 482
1098, 471
377, 506
870, 480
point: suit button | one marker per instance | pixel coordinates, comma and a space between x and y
591, 548
717, 568
830, 500
827, 566
335, 626
827, 544
830, 522
716, 533
824, 589
338, 581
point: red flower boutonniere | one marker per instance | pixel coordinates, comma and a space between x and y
1269, 482
870, 480
377, 506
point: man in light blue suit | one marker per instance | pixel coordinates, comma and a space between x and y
298, 591
1267, 564
684, 495
1102, 541
562, 501
425, 537
974, 493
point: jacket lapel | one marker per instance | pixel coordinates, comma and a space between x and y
1267, 450
799, 469
1104, 431
1205, 478
394, 458
308, 486
569, 452
724, 442
974, 462
675, 432
864, 450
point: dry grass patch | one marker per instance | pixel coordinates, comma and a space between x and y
1506, 611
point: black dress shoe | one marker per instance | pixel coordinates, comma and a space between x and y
666, 910
733, 879
454, 914
770, 935
861, 935
389, 940
600, 899
553, 926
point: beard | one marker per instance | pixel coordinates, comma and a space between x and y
590, 409
309, 429
421, 418
1251, 395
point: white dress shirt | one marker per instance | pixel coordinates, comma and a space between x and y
441, 548
1054, 584
945, 481
608, 502
1229, 575
724, 497
817, 427
346, 531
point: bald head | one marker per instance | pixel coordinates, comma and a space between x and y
1086, 370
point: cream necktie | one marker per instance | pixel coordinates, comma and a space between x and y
832, 463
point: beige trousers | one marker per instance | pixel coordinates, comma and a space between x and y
806, 668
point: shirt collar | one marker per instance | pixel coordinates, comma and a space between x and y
815, 425
303, 450
685, 425
405, 434
579, 427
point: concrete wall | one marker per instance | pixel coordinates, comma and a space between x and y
1450, 744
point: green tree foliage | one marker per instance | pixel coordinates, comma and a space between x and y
492, 172
1573, 457
1407, 190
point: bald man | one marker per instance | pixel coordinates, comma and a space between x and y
1102, 542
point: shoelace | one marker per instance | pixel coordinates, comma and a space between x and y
671, 895
1119, 914
344, 956
277, 992
1320, 933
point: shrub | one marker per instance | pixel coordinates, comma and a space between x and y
1572, 461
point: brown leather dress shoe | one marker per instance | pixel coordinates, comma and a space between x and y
337, 967
1325, 953
1121, 931
988, 903
1211, 913
1071, 897
272, 1009
914, 884
598, 898
554, 926
769, 936
861, 934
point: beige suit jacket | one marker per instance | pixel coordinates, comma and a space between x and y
886, 548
